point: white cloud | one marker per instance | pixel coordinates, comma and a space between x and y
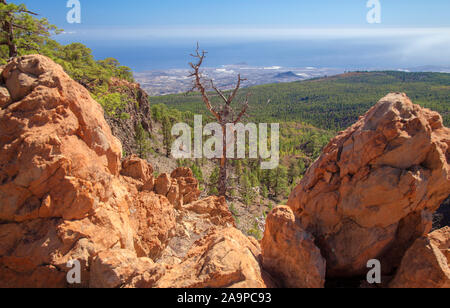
68, 32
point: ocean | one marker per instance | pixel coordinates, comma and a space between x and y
349, 54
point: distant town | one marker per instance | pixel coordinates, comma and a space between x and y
173, 81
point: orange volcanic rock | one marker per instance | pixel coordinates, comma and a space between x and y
163, 184
139, 172
214, 209
153, 218
427, 263
372, 192
196, 220
60, 195
188, 185
182, 173
122, 268
225, 258
181, 187
65, 196
5, 97
137, 168
289, 253
55, 137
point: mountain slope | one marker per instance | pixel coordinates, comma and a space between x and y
334, 102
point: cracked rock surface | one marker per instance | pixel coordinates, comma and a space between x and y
374, 189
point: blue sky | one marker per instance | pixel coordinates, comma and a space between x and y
246, 19
411, 31
254, 13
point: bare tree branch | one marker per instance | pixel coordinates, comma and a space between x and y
29, 12
198, 81
224, 114
244, 109
238, 86
219, 92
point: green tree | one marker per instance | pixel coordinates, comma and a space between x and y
112, 103
233, 187
21, 32
255, 231
167, 134
294, 173
114, 68
197, 171
213, 180
281, 187
269, 179
264, 191
247, 192
253, 177
238, 166
142, 141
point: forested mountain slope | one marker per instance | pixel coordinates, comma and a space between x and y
332, 103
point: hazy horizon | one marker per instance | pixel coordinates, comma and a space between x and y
346, 54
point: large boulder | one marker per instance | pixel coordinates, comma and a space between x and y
61, 198
212, 209
5, 97
372, 192
427, 263
225, 258
137, 169
289, 253
121, 268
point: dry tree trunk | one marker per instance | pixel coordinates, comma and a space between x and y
224, 116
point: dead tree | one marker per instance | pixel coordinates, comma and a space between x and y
223, 113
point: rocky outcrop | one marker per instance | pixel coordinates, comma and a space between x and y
122, 269
61, 197
427, 263
289, 253
5, 97
138, 109
153, 219
181, 187
66, 195
220, 260
137, 168
195, 221
372, 192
